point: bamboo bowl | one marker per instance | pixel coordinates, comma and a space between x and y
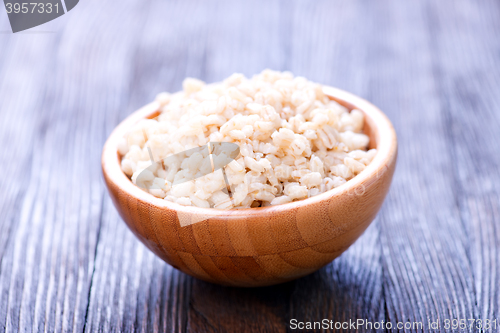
257, 246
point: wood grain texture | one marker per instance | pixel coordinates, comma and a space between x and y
67, 261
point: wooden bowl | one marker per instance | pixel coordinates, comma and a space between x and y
257, 246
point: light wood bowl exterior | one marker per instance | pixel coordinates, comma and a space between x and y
258, 246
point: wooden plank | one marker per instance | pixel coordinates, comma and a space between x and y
469, 85
20, 94
427, 275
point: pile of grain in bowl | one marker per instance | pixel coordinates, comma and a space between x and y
294, 142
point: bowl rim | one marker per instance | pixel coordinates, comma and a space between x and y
386, 152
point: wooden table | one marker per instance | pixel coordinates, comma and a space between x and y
68, 262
